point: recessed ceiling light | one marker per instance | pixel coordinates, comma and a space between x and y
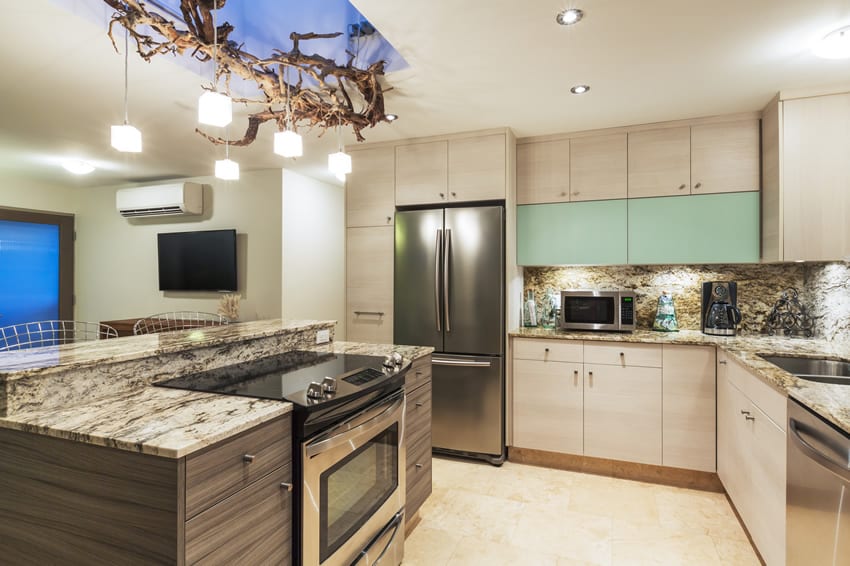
391, 117
580, 89
78, 167
569, 17
834, 45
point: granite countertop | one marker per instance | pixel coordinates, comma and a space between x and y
171, 423
828, 400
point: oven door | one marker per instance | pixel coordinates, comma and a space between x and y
590, 310
354, 484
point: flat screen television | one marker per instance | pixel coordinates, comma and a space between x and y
197, 261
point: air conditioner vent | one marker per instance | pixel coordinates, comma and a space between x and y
161, 200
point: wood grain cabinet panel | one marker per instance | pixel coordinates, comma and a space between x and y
477, 168
421, 173
548, 406
598, 167
417, 436
543, 172
223, 469
660, 162
369, 284
370, 188
548, 350
419, 373
621, 354
252, 526
689, 402
725, 157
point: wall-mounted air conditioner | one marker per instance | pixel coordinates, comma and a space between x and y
161, 200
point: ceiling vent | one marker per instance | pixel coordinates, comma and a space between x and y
175, 199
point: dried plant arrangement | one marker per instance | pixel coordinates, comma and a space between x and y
228, 306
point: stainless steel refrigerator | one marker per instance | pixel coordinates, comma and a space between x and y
450, 294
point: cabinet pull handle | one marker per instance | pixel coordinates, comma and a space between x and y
547, 350
418, 466
418, 373
454, 195
286, 485
576, 193
389, 219
442, 195
722, 362
376, 313
563, 194
622, 354
682, 187
698, 185
743, 412
750, 418
247, 458
419, 404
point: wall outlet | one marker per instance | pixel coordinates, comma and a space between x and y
323, 336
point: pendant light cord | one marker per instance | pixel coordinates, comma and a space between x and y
215, 51
126, 82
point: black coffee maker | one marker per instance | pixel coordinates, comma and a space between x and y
720, 314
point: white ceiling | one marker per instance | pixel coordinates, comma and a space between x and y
474, 64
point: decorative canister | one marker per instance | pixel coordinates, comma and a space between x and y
665, 317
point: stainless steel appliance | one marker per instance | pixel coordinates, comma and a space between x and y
450, 294
720, 314
584, 309
349, 469
818, 491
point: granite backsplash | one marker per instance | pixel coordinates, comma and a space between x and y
824, 290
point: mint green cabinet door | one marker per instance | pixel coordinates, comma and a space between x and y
590, 232
717, 228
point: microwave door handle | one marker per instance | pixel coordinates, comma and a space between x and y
437, 249
447, 248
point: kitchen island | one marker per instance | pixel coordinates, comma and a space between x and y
100, 467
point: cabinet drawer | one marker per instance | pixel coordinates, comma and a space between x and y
418, 414
252, 526
418, 473
419, 373
621, 354
548, 350
225, 468
770, 401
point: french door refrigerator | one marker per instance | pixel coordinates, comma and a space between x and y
449, 294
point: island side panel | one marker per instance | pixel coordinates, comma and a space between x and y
69, 503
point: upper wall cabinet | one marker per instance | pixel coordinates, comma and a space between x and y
370, 188
598, 167
807, 174
660, 162
543, 172
715, 157
422, 173
477, 168
460, 169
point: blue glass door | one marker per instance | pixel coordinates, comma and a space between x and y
29, 272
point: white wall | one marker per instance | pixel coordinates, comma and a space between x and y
313, 250
37, 195
116, 257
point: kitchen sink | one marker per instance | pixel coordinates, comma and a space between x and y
813, 369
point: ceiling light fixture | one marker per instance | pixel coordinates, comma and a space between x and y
339, 163
569, 17
125, 137
226, 168
288, 143
215, 108
834, 45
391, 117
78, 167
580, 89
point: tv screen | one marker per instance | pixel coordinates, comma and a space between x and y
197, 261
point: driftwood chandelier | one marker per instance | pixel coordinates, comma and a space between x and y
296, 90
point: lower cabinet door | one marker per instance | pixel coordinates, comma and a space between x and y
766, 522
622, 413
547, 402
418, 455
252, 526
369, 284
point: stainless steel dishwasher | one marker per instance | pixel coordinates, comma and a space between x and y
818, 495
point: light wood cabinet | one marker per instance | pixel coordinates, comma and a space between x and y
417, 436
814, 220
688, 403
751, 456
370, 187
725, 157
543, 172
421, 173
598, 166
660, 162
477, 168
369, 284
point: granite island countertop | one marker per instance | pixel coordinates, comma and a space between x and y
831, 401
170, 423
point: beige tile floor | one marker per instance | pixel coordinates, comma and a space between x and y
526, 515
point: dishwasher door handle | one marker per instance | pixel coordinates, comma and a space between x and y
839, 469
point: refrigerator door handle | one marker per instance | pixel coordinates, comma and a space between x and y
447, 247
466, 363
438, 245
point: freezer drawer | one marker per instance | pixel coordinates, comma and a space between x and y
467, 404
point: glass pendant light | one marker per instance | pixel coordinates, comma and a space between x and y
125, 137
215, 108
339, 163
226, 168
288, 143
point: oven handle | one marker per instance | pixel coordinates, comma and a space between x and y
365, 423
393, 526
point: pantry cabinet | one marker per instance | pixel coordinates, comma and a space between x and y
369, 284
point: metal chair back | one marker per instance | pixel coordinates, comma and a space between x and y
52, 333
181, 320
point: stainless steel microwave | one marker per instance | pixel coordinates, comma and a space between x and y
583, 309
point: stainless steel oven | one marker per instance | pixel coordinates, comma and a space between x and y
353, 489
583, 309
